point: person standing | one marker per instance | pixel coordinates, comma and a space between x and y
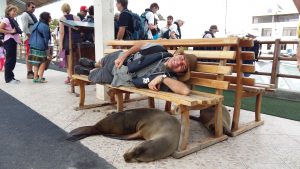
125, 21
151, 27
28, 20
297, 4
39, 52
211, 32
178, 24
64, 34
168, 32
9, 26
89, 35
83, 12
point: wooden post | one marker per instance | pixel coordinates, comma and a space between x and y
275, 65
239, 91
185, 127
70, 59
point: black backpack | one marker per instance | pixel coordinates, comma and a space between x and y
138, 27
166, 35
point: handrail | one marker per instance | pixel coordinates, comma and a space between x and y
276, 58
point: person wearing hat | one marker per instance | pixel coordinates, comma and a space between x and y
83, 12
143, 65
211, 32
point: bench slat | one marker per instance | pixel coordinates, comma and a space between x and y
232, 79
247, 55
182, 42
81, 77
217, 84
245, 67
190, 100
225, 70
230, 55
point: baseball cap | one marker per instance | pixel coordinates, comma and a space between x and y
83, 8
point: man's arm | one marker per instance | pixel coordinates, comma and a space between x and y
25, 22
135, 48
175, 85
121, 32
61, 35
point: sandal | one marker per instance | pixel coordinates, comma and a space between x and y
68, 80
42, 80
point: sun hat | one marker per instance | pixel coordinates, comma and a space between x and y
191, 62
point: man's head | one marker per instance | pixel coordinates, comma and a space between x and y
65, 8
169, 20
121, 5
154, 7
91, 10
182, 64
213, 29
180, 22
30, 6
83, 10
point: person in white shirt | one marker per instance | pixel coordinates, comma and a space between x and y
169, 31
151, 27
28, 20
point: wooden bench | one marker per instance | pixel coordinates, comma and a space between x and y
243, 86
197, 100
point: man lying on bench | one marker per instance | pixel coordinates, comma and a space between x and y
143, 65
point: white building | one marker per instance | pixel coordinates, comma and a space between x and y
278, 25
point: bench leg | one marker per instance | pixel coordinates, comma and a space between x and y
168, 106
185, 128
236, 112
218, 120
82, 93
258, 107
120, 100
151, 102
127, 96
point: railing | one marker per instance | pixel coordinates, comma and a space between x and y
276, 59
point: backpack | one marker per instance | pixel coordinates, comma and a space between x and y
166, 35
144, 19
138, 27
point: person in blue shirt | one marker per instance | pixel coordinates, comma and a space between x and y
39, 52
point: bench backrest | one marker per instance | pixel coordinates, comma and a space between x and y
215, 67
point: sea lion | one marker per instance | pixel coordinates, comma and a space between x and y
207, 119
160, 130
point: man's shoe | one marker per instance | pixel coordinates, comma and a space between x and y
82, 70
30, 75
87, 62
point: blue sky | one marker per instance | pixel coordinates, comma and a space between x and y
197, 14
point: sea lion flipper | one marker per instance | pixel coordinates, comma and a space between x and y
80, 133
136, 135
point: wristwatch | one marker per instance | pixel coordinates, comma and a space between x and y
162, 78
298, 66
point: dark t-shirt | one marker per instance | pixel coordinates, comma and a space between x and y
125, 19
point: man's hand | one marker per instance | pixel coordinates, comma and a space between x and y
119, 62
155, 83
